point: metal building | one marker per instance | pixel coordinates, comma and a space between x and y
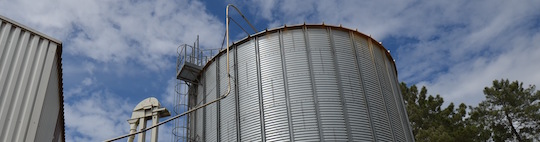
299, 83
31, 99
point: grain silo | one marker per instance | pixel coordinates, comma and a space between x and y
298, 83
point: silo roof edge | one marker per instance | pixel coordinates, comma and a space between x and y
262, 32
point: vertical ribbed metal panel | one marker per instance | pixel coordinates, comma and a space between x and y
250, 122
199, 121
30, 84
306, 83
353, 92
331, 111
387, 92
304, 119
227, 105
52, 104
379, 116
211, 110
273, 92
404, 130
405, 119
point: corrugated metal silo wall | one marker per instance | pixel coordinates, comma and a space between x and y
247, 83
303, 83
31, 102
211, 113
227, 106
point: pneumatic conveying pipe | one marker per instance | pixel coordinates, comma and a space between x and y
206, 104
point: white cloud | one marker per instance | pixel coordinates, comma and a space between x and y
117, 32
119, 37
98, 114
98, 117
467, 80
91, 98
457, 48
169, 93
81, 89
263, 9
87, 81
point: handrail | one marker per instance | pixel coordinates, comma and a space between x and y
206, 104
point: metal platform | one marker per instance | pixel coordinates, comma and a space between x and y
189, 72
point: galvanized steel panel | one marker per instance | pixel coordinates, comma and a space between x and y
250, 122
199, 121
353, 91
302, 103
404, 130
330, 108
273, 92
390, 102
377, 108
211, 110
307, 83
227, 105
30, 84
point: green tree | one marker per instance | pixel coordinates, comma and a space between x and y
430, 122
509, 113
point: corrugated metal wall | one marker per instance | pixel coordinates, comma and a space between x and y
211, 113
249, 102
30, 85
273, 90
376, 105
305, 83
199, 114
228, 105
302, 102
354, 98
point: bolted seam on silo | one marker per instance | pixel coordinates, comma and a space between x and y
305, 82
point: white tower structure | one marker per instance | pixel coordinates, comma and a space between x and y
149, 108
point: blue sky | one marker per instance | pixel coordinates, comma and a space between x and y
116, 53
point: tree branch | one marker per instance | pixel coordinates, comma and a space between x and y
512, 126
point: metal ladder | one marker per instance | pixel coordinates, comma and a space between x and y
187, 54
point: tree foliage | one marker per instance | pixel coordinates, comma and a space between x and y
431, 122
509, 112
